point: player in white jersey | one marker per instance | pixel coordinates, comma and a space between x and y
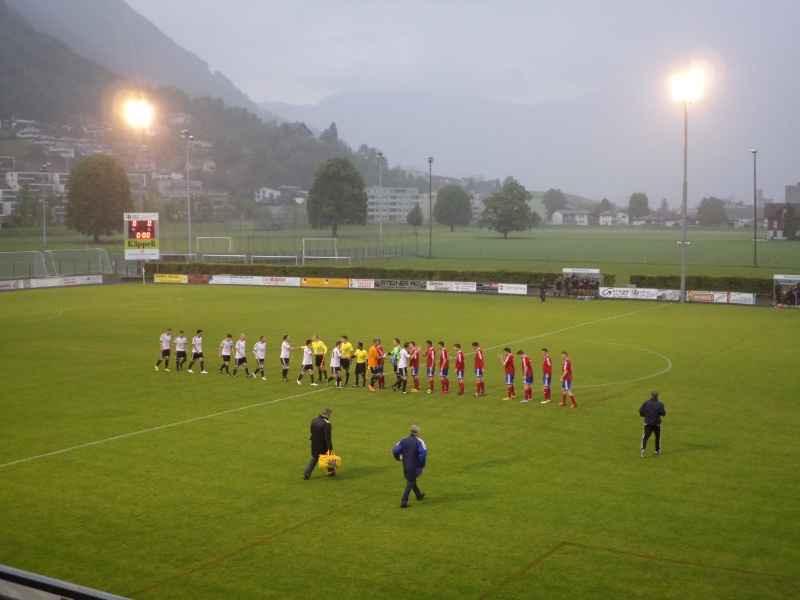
286, 355
197, 352
260, 351
225, 348
164, 345
402, 368
180, 350
336, 363
241, 356
308, 363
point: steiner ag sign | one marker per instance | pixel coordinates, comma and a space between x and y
141, 236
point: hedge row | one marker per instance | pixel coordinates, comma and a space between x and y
497, 276
704, 283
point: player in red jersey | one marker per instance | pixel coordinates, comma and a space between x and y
508, 362
459, 368
527, 375
444, 368
481, 389
566, 382
547, 374
381, 357
430, 363
414, 364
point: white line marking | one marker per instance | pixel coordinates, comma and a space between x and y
55, 316
133, 433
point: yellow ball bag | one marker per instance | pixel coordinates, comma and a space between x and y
329, 461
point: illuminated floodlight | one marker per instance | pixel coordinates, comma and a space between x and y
688, 87
138, 113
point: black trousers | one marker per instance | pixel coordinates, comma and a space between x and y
652, 429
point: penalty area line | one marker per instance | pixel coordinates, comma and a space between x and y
158, 428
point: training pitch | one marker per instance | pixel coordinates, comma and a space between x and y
170, 485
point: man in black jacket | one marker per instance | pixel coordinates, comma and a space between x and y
321, 442
652, 410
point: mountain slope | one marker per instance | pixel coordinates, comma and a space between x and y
114, 35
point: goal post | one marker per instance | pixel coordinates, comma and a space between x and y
22, 265
213, 244
79, 261
320, 248
289, 259
225, 258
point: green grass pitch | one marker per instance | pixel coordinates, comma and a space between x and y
169, 485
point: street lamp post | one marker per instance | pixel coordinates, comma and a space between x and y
686, 88
188, 137
430, 207
44, 169
380, 202
755, 212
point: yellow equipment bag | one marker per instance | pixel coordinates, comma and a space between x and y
329, 461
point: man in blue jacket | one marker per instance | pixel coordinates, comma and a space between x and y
652, 410
413, 453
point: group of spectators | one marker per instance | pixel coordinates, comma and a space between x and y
571, 287
791, 298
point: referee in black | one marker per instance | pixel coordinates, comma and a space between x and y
652, 410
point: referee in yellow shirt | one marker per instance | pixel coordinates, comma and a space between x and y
347, 357
361, 364
320, 350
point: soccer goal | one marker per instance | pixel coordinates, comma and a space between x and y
273, 260
322, 250
78, 261
22, 265
225, 258
213, 244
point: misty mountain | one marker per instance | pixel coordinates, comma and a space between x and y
115, 36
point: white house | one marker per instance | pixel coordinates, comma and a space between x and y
613, 217
570, 216
266, 194
394, 204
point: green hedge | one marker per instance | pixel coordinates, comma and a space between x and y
704, 283
498, 276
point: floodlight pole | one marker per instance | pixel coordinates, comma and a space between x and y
755, 213
43, 170
685, 192
380, 202
430, 207
188, 137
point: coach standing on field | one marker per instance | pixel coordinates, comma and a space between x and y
412, 451
652, 410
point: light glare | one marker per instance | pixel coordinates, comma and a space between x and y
138, 113
687, 87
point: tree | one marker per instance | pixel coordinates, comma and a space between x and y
553, 200
331, 134
604, 205
790, 222
99, 194
337, 196
711, 213
638, 205
664, 206
415, 218
452, 206
507, 210
534, 220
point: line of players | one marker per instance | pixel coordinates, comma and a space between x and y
405, 360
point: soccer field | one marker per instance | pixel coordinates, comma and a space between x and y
170, 485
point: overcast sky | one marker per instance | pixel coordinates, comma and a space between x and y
302, 51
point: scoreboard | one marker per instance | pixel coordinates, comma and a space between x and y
141, 236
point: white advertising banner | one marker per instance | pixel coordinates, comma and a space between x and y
617, 293
14, 284
451, 286
255, 280
66, 281
708, 297
741, 298
362, 284
520, 289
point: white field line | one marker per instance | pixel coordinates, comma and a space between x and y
55, 316
233, 410
152, 429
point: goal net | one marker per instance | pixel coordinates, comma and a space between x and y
23, 264
322, 250
213, 244
225, 258
78, 261
273, 260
